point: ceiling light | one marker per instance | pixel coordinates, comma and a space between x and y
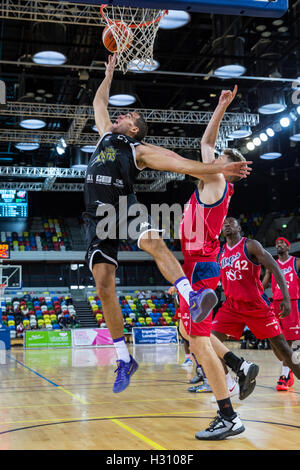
41, 91
271, 108
88, 148
32, 123
174, 19
80, 167
271, 102
298, 109
27, 145
142, 66
95, 128
260, 28
293, 116
283, 29
270, 155
295, 138
49, 58
189, 103
270, 132
266, 34
257, 141
230, 71
241, 133
285, 122
200, 101
121, 100
250, 146
263, 137
277, 22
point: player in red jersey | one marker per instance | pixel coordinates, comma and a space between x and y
201, 225
290, 267
246, 304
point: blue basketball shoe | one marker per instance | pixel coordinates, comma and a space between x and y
201, 303
124, 371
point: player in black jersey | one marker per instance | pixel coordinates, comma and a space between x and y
119, 157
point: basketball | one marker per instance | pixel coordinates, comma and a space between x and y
117, 37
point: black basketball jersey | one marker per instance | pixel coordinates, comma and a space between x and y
111, 171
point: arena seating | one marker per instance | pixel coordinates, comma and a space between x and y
52, 237
50, 312
139, 309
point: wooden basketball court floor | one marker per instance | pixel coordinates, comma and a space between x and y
61, 399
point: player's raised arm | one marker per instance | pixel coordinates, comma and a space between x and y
159, 159
263, 257
100, 103
209, 138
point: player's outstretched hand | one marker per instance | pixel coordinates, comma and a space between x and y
227, 96
240, 169
285, 308
110, 65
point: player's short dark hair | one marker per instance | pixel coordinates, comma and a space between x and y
143, 128
235, 156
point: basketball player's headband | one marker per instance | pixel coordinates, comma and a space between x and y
284, 239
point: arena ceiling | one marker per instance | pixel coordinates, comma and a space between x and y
267, 48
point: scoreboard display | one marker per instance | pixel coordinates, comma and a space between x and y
13, 203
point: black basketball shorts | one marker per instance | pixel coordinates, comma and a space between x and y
104, 233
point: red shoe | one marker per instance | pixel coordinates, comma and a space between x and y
282, 384
291, 379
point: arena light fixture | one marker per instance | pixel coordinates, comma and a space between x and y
270, 132
88, 148
175, 19
49, 58
27, 146
298, 109
121, 99
270, 155
263, 137
256, 141
230, 71
32, 124
142, 66
285, 121
95, 128
271, 102
250, 146
295, 138
241, 133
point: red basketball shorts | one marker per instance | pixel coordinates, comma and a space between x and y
200, 274
233, 316
291, 324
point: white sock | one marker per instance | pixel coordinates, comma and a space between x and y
121, 349
184, 288
285, 371
230, 382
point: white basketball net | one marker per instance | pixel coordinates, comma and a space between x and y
2, 289
143, 24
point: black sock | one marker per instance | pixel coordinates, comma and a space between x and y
225, 408
232, 361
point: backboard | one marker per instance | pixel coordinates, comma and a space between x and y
264, 8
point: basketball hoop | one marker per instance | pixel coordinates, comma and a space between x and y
2, 289
144, 24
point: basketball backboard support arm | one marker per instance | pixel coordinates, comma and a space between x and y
263, 8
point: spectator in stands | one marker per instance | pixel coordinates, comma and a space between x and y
20, 329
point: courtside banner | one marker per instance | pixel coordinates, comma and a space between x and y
155, 335
47, 339
91, 337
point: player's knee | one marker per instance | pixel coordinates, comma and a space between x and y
281, 345
105, 287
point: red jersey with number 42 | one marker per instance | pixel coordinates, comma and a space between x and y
201, 225
240, 277
289, 270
